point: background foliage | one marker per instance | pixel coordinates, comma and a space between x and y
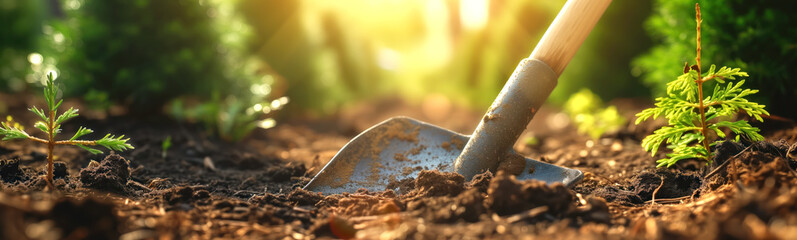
20, 34
147, 53
226, 63
333, 54
755, 35
590, 115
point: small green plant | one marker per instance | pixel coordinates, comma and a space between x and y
755, 35
51, 125
694, 118
165, 145
585, 109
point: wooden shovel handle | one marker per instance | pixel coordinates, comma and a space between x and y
565, 35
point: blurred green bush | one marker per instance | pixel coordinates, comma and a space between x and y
756, 35
590, 116
143, 52
330, 56
20, 34
147, 54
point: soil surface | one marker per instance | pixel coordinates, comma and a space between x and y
202, 187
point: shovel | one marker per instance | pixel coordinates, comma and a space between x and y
399, 148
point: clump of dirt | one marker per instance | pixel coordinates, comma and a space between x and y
285, 172
484, 195
446, 146
724, 150
769, 161
435, 183
761, 161
10, 171
367, 205
401, 157
457, 142
512, 163
304, 197
110, 175
402, 186
507, 195
59, 170
185, 195
665, 184
481, 181
618, 195
756, 167
270, 199
468, 206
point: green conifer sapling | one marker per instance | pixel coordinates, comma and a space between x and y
695, 120
51, 126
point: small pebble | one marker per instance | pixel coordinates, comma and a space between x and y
583, 153
617, 146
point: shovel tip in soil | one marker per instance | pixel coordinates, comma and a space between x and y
399, 148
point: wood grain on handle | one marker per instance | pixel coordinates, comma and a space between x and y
565, 35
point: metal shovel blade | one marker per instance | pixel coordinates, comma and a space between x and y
400, 148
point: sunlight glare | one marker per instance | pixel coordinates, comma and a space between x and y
35, 58
388, 59
267, 123
473, 13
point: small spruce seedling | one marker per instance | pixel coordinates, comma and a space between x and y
165, 145
51, 125
694, 118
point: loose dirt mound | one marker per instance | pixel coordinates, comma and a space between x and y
110, 175
665, 184
761, 162
506, 196
435, 183
10, 171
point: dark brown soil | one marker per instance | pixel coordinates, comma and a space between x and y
205, 188
10, 171
434, 183
110, 175
664, 184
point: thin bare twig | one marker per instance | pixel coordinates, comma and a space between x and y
788, 155
653, 198
724, 164
692, 197
668, 200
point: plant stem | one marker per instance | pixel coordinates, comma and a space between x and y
50, 146
699, 81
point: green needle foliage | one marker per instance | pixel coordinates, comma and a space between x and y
694, 118
51, 125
